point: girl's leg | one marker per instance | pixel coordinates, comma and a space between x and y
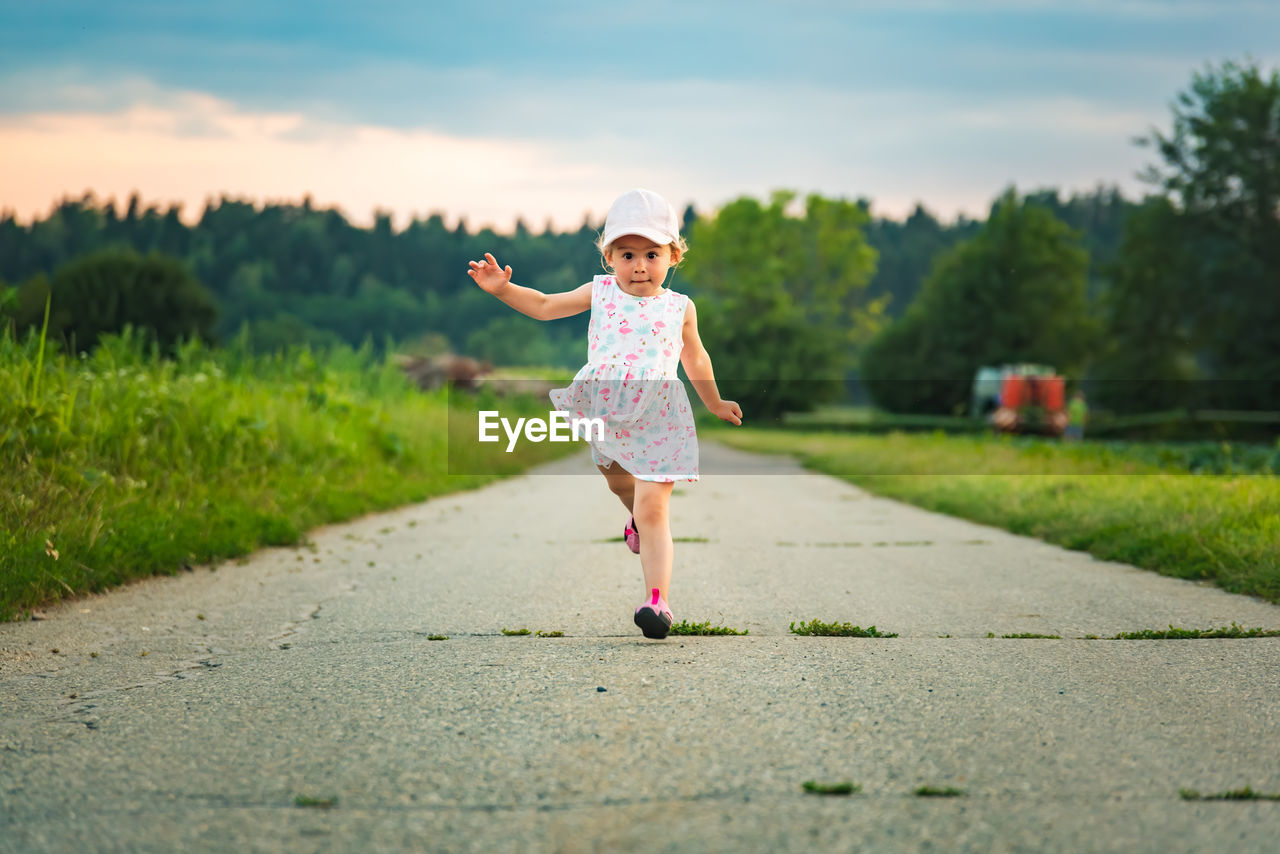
621, 484
652, 502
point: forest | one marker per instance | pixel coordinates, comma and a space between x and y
1166, 301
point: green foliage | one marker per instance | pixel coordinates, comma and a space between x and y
906, 251
116, 289
1245, 794
937, 792
308, 275
315, 803
516, 632
1147, 363
1234, 630
1214, 298
1015, 293
782, 298
684, 627
518, 341
817, 628
815, 788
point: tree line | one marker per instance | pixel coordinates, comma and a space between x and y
1169, 301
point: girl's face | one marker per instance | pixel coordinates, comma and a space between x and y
639, 264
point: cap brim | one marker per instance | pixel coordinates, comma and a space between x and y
662, 238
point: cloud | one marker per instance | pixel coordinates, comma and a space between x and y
700, 141
195, 146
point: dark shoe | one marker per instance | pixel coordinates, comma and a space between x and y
654, 617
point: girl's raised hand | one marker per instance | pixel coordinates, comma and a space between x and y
488, 275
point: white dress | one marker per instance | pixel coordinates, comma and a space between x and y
630, 383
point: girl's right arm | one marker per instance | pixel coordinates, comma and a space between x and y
496, 280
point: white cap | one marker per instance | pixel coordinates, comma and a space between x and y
641, 212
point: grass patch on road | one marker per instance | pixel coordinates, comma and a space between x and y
684, 627
1245, 794
938, 792
817, 628
1234, 630
315, 803
121, 465
1123, 503
815, 788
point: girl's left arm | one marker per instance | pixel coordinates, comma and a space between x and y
697, 365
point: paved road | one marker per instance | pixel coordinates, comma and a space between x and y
191, 712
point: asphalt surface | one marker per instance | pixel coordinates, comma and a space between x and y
295, 701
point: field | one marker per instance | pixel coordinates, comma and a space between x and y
121, 465
1196, 511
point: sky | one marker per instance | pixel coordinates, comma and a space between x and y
489, 111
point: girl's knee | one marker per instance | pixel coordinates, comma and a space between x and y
651, 507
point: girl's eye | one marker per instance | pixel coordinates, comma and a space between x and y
653, 256
626, 256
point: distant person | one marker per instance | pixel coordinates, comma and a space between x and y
638, 332
1077, 415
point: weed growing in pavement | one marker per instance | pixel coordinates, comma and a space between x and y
1245, 794
684, 627
540, 633
315, 803
437, 637
1235, 630
935, 792
516, 632
817, 628
815, 788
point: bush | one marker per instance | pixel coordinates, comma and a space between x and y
114, 289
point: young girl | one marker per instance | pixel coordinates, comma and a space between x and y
637, 333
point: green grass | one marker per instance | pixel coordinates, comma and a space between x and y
815, 788
817, 628
121, 465
936, 792
1232, 631
1245, 794
315, 803
1130, 503
684, 627
516, 633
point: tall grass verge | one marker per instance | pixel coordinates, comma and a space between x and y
1135, 507
120, 464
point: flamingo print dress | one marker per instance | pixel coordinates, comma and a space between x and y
630, 383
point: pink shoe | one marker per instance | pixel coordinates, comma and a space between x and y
632, 536
654, 617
